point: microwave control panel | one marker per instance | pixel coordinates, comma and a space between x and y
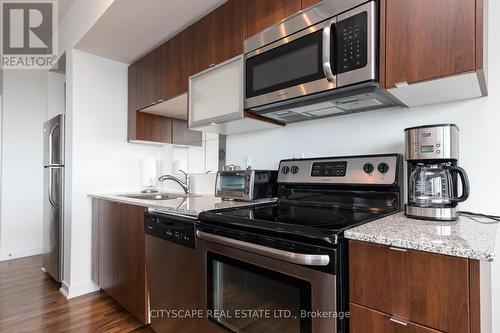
352, 43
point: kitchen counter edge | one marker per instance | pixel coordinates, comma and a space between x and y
464, 238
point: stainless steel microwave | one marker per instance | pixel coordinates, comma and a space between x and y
246, 185
322, 61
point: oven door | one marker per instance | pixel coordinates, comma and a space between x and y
248, 289
295, 66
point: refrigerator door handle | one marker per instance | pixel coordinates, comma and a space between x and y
50, 142
51, 200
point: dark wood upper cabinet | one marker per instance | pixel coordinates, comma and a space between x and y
154, 128
228, 30
181, 135
217, 36
132, 101
200, 51
175, 66
149, 79
308, 3
424, 41
264, 13
427, 289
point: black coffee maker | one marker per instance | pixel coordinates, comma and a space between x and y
433, 172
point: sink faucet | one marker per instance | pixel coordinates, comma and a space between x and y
186, 184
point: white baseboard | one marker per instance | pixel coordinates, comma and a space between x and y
79, 290
4, 256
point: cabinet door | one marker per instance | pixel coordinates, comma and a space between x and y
438, 291
149, 79
132, 261
264, 13
153, 128
426, 41
181, 135
365, 320
200, 56
228, 30
132, 101
425, 288
175, 66
109, 248
216, 96
217, 37
377, 278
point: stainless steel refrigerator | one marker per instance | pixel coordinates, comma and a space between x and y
53, 208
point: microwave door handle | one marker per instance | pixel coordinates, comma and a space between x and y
291, 257
326, 52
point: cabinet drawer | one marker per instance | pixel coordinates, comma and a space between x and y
428, 289
365, 320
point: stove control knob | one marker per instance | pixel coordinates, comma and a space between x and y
285, 169
368, 168
383, 167
295, 169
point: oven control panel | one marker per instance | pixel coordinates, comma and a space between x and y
329, 169
356, 170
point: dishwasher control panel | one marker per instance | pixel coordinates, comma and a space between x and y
175, 229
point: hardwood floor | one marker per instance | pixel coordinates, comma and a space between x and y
30, 301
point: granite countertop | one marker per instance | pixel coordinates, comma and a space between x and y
465, 237
190, 206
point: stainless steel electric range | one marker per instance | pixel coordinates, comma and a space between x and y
282, 266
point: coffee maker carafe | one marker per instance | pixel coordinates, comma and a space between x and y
433, 172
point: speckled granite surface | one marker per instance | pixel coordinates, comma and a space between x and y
190, 206
463, 238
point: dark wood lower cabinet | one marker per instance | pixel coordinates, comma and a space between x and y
364, 320
108, 247
432, 290
121, 256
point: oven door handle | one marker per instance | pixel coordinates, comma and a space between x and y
326, 52
291, 257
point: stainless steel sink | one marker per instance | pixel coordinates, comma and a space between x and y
156, 196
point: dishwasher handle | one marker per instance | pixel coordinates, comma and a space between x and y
291, 257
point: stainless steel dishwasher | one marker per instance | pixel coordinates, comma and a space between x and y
171, 266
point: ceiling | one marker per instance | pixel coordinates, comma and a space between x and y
131, 28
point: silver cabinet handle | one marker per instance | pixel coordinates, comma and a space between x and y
399, 321
291, 257
397, 249
327, 65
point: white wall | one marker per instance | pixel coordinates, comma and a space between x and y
382, 131
24, 111
56, 96
98, 155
